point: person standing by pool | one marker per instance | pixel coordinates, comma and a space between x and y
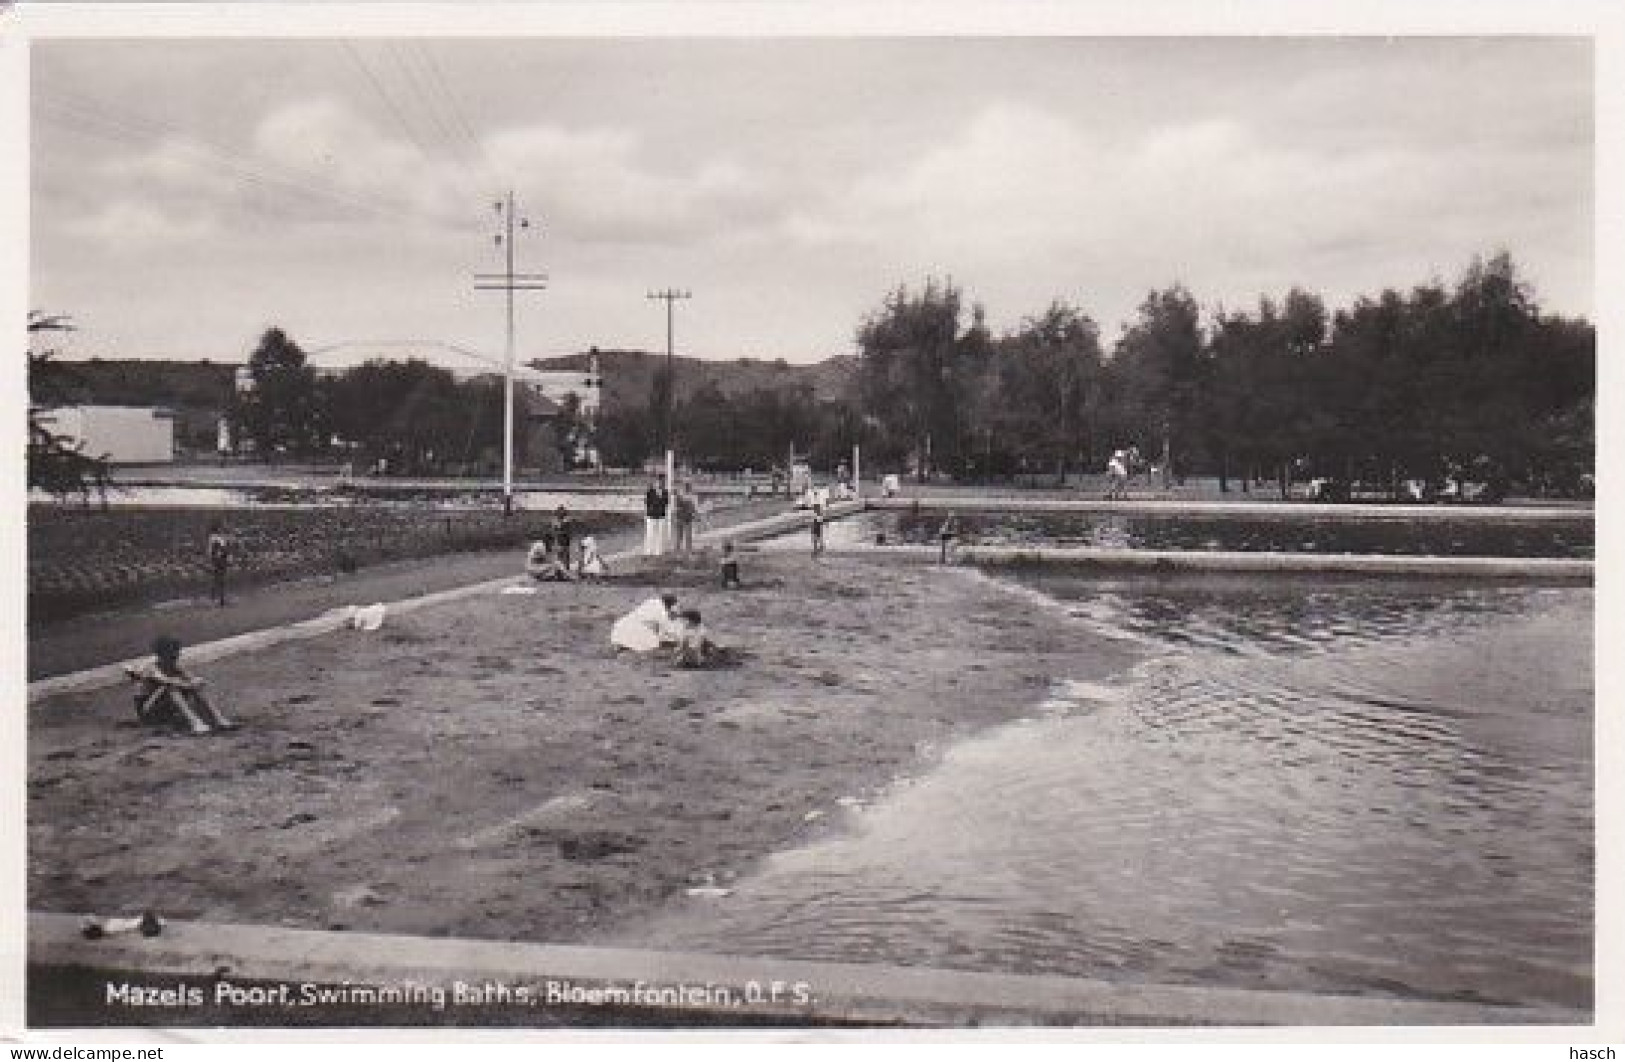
947, 533
685, 509
656, 500
220, 548
1117, 475
818, 531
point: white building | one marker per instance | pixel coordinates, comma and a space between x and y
126, 435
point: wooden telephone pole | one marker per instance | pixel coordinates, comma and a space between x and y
508, 281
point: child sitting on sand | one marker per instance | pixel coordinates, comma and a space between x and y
694, 647
170, 696
544, 563
592, 563
730, 567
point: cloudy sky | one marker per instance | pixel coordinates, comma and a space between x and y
188, 194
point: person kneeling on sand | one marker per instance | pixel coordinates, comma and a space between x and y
647, 627
694, 646
170, 696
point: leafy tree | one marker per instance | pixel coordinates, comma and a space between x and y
282, 413
1157, 364
413, 413
1261, 404
56, 463
1045, 395
914, 367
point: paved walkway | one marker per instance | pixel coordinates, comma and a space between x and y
104, 638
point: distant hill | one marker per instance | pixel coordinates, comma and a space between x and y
177, 384
629, 375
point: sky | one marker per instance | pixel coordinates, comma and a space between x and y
188, 194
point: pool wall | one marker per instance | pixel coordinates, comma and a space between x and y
1310, 510
718, 989
1538, 569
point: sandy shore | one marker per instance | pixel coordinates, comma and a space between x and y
489, 768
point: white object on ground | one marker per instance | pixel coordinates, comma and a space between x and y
147, 923
369, 618
710, 892
518, 590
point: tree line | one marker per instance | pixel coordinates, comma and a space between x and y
1465, 379
416, 417
1470, 379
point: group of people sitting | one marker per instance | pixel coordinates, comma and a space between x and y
552, 558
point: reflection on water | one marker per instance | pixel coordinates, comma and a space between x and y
1294, 532
1350, 787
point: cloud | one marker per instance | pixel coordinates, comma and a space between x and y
595, 185
126, 226
1040, 205
328, 147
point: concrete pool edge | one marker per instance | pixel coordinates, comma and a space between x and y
637, 986
1561, 569
1278, 509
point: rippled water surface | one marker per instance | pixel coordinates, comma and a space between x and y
1295, 532
1365, 787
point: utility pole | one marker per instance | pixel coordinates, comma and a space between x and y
669, 296
510, 282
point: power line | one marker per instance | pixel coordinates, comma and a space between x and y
456, 110
389, 100
442, 129
104, 122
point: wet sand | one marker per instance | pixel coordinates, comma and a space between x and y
490, 768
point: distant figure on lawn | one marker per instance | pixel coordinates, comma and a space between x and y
730, 567
695, 648
647, 627
818, 531
656, 500
170, 696
219, 548
1117, 471
544, 564
946, 535
593, 567
564, 530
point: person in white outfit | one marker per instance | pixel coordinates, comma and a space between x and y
647, 627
